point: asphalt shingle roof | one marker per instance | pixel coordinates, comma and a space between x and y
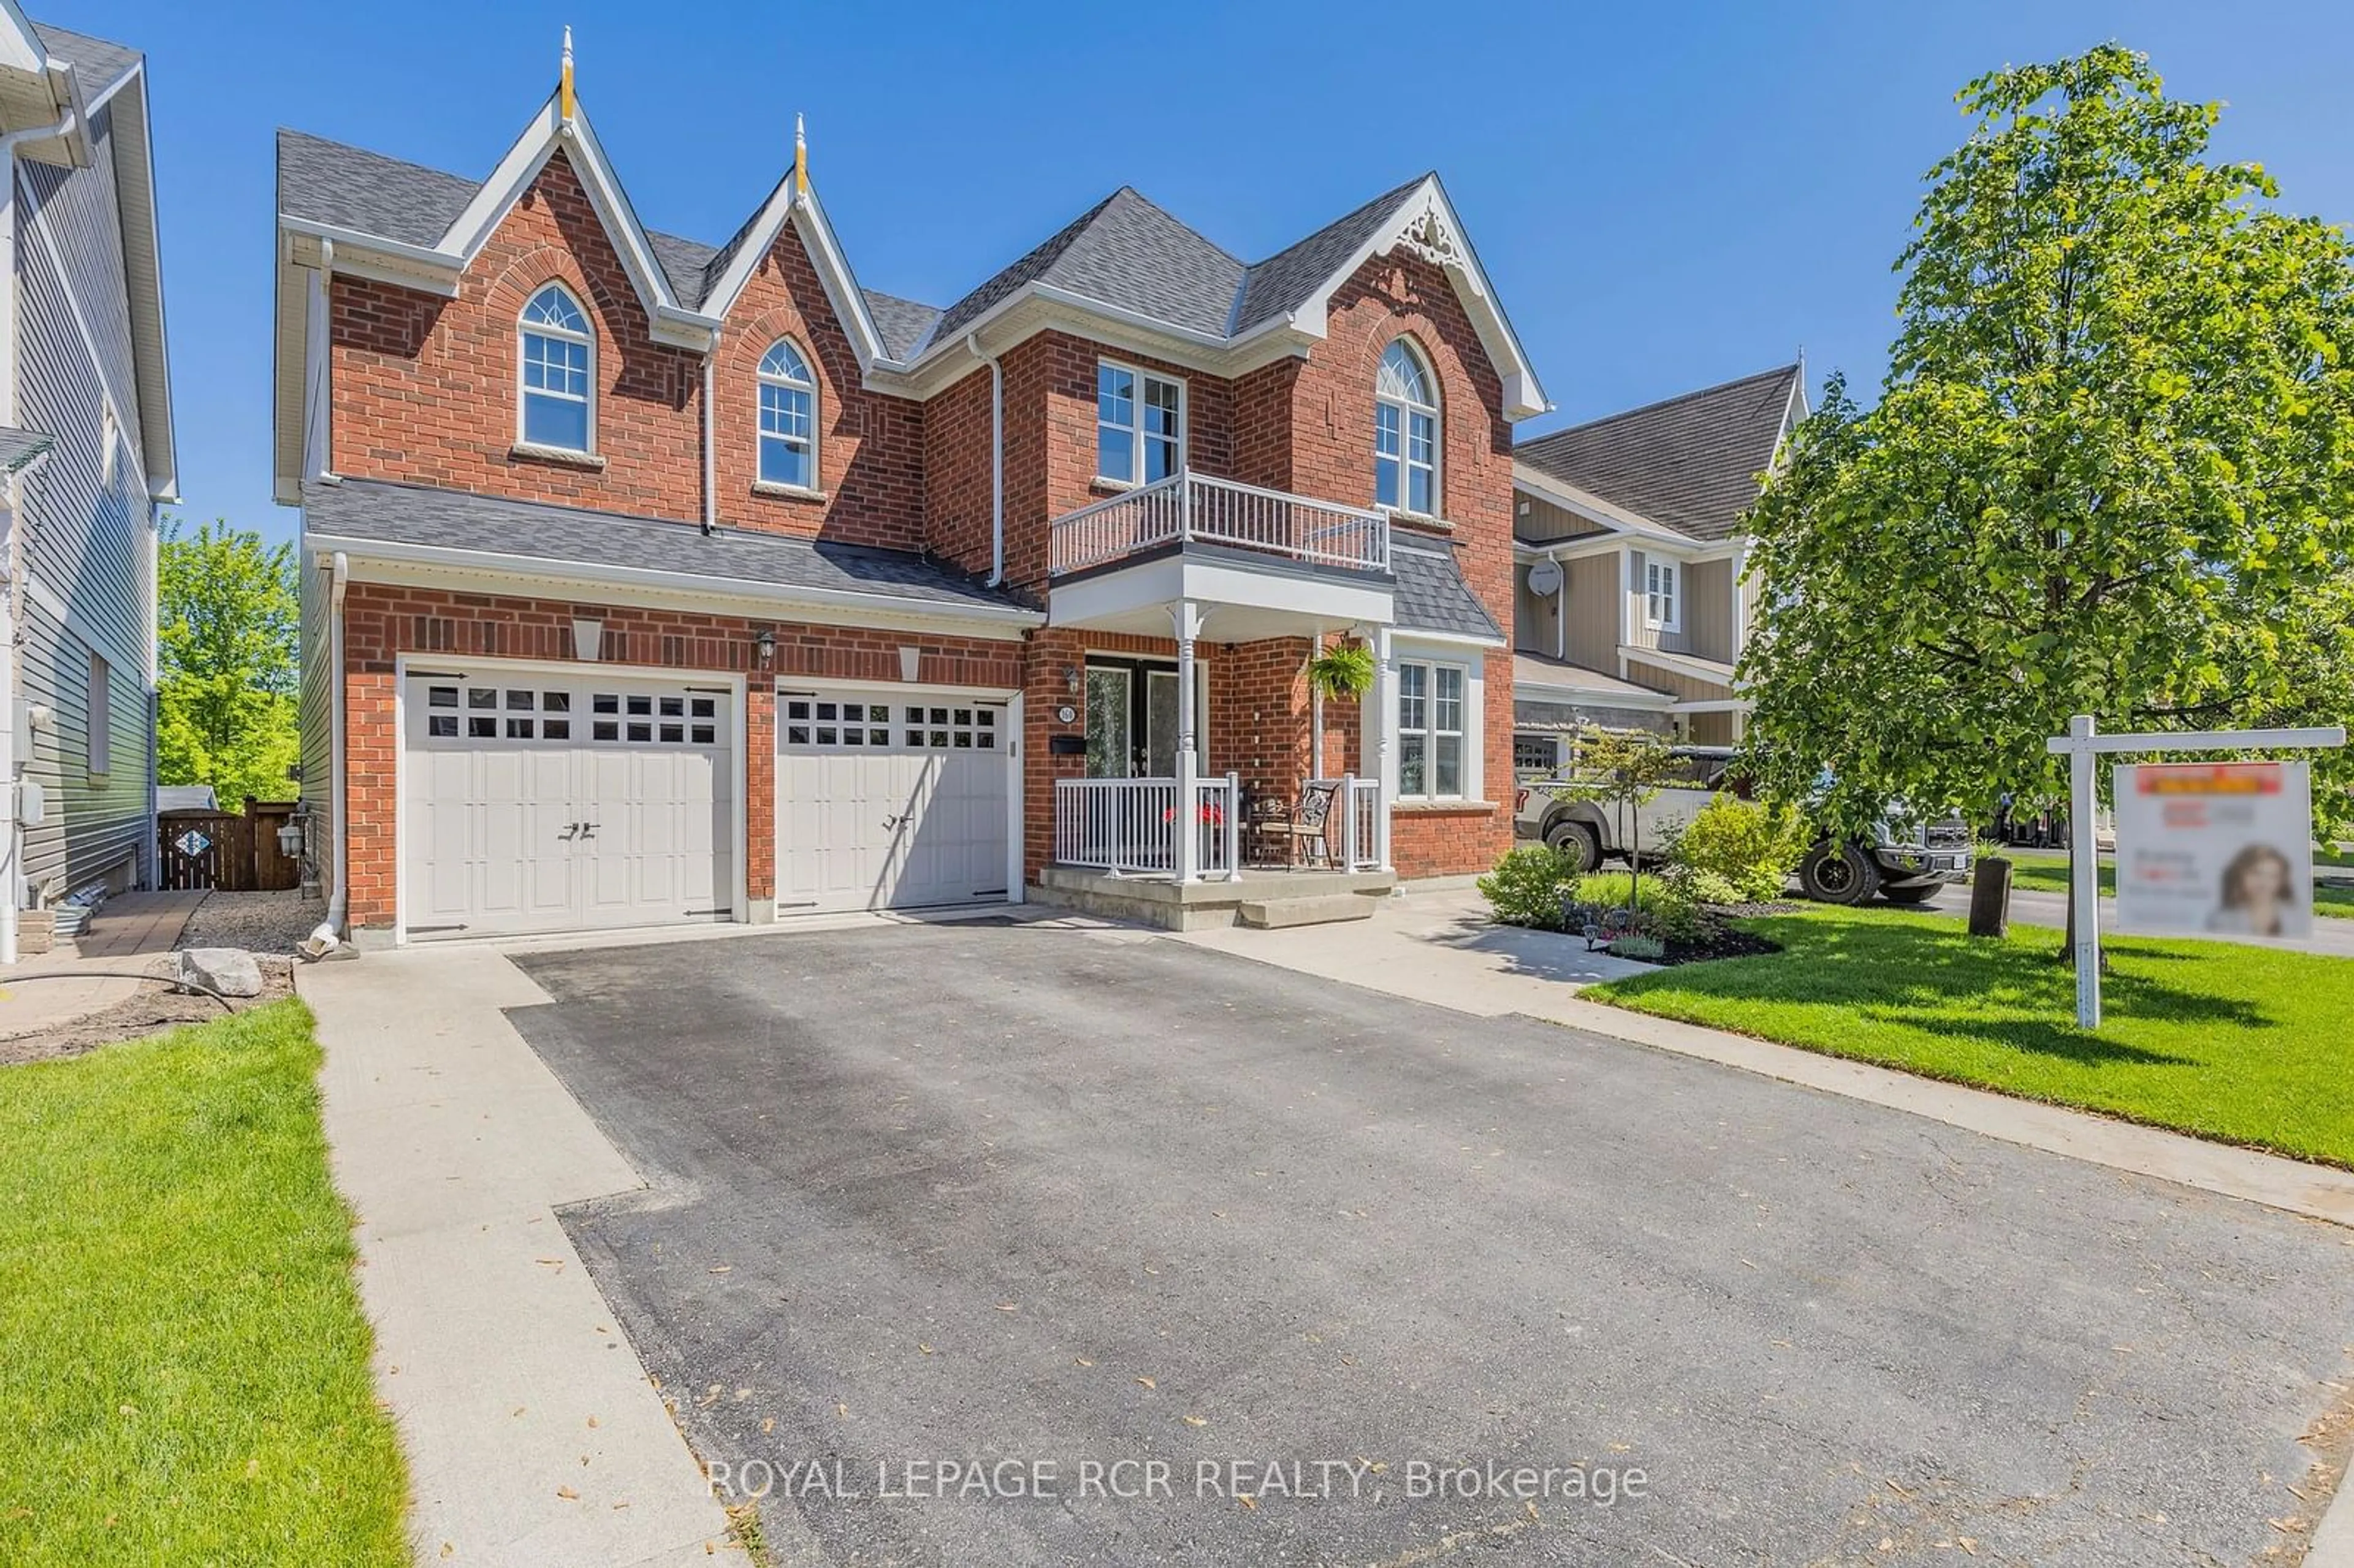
327, 182
1431, 594
523, 532
1690, 463
1124, 252
98, 63
1279, 284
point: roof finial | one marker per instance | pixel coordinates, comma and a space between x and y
801, 158
563, 91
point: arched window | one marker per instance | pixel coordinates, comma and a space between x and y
788, 417
560, 357
1406, 432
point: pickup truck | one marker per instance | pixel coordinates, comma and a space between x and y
1904, 860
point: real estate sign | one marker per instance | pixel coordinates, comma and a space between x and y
2215, 849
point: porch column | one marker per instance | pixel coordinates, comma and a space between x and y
1188, 618
1385, 747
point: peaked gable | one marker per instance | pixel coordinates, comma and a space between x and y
1690, 463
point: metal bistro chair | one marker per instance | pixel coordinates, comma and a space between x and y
1313, 826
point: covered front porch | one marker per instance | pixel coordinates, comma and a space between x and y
1205, 759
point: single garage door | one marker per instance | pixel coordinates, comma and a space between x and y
890, 804
538, 802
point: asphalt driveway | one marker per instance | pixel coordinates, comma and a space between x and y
941, 1195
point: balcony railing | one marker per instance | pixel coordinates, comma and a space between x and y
1130, 826
1196, 508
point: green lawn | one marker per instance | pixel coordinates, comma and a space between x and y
183, 1370
2049, 873
2245, 1044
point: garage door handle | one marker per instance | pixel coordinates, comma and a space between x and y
893, 821
588, 830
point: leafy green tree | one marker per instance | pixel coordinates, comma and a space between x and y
2111, 471
226, 647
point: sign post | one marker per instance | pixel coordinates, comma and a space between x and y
2081, 745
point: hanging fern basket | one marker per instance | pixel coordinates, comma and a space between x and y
1342, 672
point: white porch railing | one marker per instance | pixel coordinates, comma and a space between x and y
1358, 841
1197, 508
1130, 826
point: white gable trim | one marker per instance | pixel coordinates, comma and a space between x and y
1425, 223
832, 270
547, 131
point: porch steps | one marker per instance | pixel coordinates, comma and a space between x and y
1275, 914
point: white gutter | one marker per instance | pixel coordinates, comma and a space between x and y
739, 590
329, 934
996, 458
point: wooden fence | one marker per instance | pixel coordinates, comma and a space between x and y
229, 851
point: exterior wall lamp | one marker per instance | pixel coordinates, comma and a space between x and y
764, 639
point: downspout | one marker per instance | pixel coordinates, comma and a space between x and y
996, 458
710, 453
329, 935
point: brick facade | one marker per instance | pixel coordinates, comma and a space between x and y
424, 392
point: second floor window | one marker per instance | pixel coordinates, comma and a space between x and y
1405, 433
1659, 596
1139, 425
788, 419
560, 356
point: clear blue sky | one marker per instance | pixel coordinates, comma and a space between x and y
1665, 195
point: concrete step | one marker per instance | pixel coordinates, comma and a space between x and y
1274, 913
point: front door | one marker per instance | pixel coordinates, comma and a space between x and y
1132, 719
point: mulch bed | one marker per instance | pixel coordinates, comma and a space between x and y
1719, 941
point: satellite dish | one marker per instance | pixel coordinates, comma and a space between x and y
1544, 577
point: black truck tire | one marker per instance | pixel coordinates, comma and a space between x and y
1581, 844
1838, 873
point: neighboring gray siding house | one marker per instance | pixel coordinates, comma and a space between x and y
1631, 605
86, 449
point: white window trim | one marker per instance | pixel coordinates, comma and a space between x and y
98, 717
762, 377
1466, 773
1657, 572
1407, 409
526, 329
1135, 429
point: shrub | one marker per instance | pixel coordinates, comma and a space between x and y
1752, 848
1526, 887
1664, 904
1708, 886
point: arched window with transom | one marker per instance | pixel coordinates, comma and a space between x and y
788, 417
1406, 432
559, 372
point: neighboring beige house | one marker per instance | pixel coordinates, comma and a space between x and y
1629, 608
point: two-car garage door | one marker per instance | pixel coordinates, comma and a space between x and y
551, 802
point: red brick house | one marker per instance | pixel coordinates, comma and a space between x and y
646, 582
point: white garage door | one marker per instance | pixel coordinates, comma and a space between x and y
890, 804
538, 802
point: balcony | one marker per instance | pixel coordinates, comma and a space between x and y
1196, 509
1259, 563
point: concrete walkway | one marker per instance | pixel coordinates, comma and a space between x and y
132, 931
533, 1433
1438, 947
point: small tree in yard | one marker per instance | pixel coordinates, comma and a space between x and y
226, 644
1627, 769
2111, 471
